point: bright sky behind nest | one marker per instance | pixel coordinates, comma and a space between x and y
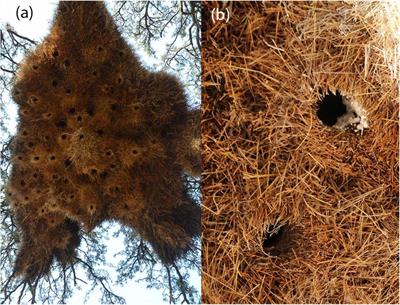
37, 29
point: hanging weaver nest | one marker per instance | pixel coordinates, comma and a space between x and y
298, 210
99, 138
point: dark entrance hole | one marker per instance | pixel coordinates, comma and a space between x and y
272, 237
330, 108
61, 123
67, 163
280, 239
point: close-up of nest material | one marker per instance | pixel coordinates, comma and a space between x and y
99, 138
300, 152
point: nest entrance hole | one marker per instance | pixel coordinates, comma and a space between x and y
330, 108
336, 110
279, 239
272, 237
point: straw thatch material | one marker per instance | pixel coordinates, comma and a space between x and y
296, 211
99, 138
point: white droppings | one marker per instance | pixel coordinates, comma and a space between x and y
355, 117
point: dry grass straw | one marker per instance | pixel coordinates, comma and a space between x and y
267, 159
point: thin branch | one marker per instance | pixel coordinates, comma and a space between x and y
171, 296
13, 33
8, 71
182, 284
101, 280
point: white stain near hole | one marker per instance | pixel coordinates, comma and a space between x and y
354, 119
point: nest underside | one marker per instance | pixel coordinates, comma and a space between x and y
99, 138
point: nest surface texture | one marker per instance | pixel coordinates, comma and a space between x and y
296, 211
99, 138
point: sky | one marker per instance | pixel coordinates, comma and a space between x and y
38, 28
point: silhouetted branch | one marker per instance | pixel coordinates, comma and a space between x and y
109, 296
182, 283
16, 42
171, 295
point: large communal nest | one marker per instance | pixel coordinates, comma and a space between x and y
99, 138
300, 208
